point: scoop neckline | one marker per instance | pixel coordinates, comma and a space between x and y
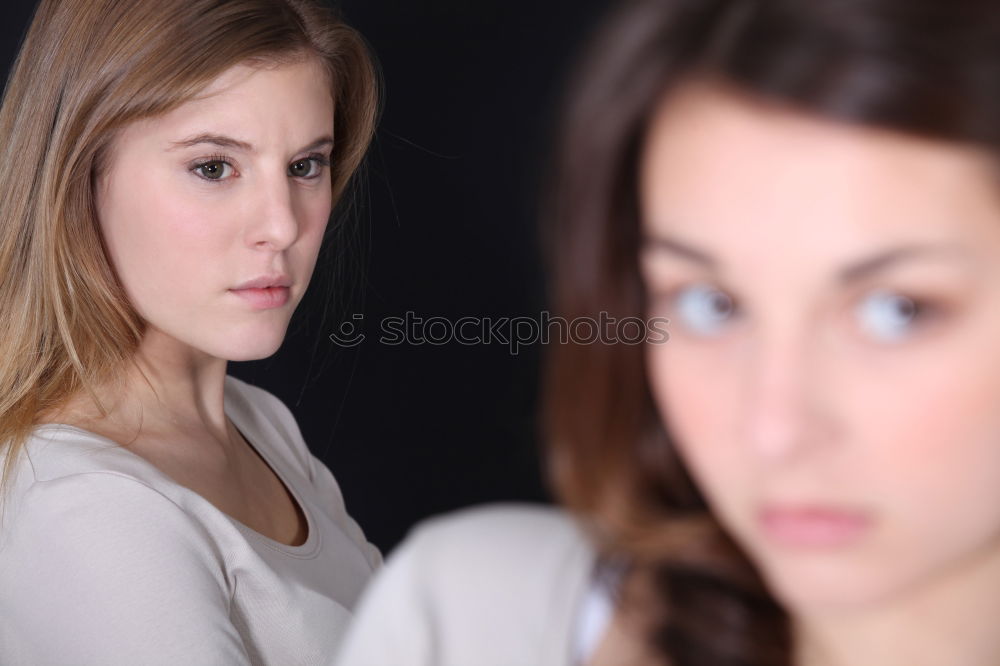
306, 549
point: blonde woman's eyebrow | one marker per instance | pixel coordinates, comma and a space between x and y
223, 141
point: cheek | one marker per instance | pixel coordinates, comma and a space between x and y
934, 437
697, 397
159, 240
151, 212
927, 419
314, 215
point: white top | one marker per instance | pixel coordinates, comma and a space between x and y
593, 618
105, 560
497, 586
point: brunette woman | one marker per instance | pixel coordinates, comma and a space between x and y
808, 471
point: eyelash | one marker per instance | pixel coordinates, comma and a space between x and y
927, 309
320, 159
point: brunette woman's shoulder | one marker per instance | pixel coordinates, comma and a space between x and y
491, 586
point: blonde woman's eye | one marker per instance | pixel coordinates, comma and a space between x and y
703, 309
888, 316
309, 167
214, 170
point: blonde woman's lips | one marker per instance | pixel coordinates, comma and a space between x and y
263, 298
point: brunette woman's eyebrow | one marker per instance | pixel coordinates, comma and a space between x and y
851, 273
223, 141
682, 250
888, 258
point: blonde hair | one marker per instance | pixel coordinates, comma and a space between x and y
86, 69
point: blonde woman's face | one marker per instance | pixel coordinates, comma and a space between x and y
832, 378
229, 187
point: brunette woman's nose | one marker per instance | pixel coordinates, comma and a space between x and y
782, 416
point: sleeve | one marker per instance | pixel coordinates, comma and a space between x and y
100, 569
490, 586
392, 624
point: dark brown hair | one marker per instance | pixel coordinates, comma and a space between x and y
922, 67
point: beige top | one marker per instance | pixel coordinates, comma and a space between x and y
499, 586
105, 560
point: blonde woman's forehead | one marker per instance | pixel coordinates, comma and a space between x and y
250, 81
241, 72
286, 107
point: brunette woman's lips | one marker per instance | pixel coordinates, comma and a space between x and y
263, 298
813, 526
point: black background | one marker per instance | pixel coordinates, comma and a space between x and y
449, 229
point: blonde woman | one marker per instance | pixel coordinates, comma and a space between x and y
168, 171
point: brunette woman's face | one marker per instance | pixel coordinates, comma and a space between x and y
832, 377
228, 187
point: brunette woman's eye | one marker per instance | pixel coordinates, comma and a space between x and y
889, 316
703, 309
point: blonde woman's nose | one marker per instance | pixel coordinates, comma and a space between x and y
276, 218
